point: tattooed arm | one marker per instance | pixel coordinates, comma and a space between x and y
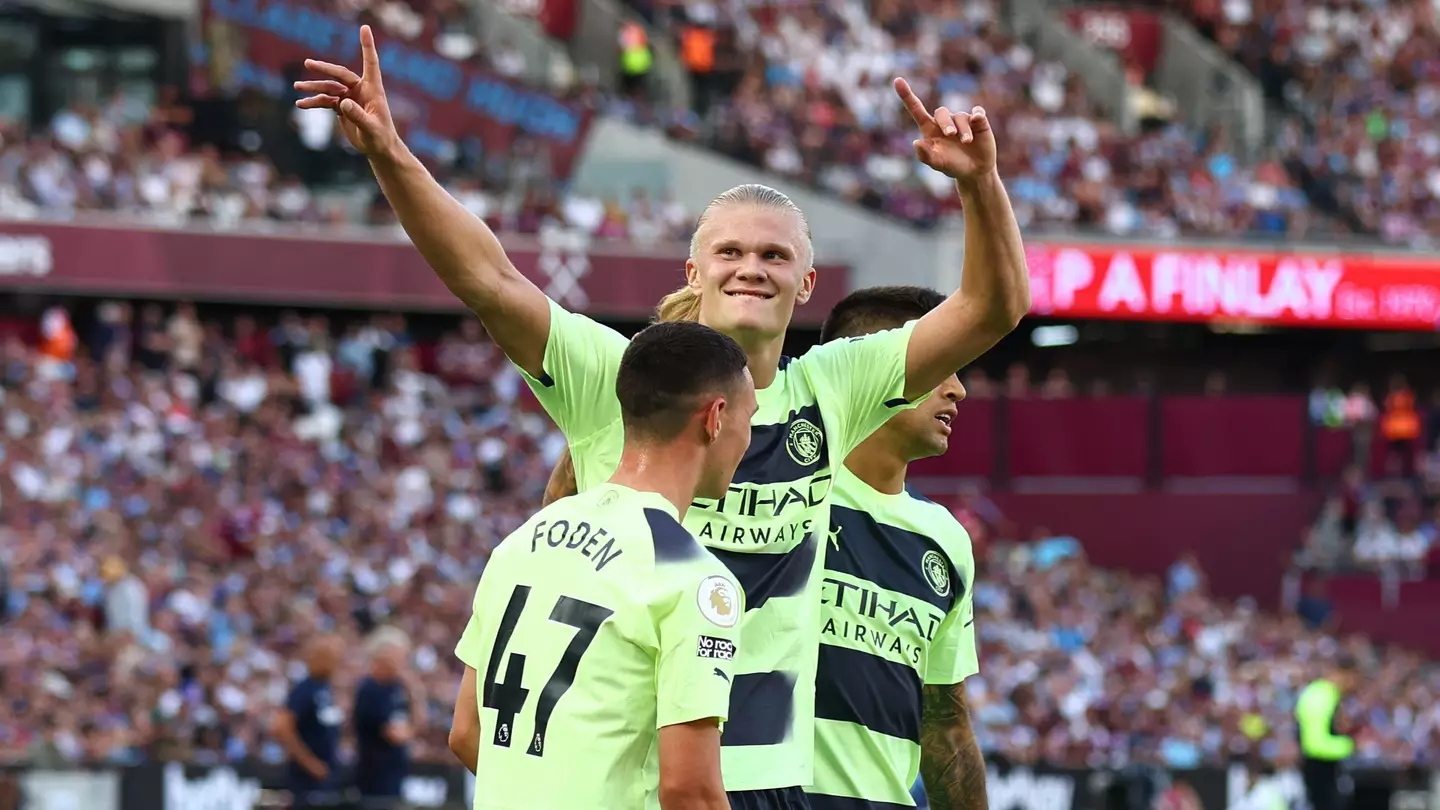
562, 480
951, 765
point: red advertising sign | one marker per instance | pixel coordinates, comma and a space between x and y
1133, 33
437, 102
302, 268
1278, 287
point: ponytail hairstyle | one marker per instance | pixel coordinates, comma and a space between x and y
681, 305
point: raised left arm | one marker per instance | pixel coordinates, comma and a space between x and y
994, 289
951, 765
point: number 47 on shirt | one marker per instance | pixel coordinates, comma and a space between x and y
508, 697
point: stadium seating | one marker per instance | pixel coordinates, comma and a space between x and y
185, 499
1364, 80
89, 161
814, 103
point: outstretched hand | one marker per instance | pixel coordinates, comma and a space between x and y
958, 144
359, 101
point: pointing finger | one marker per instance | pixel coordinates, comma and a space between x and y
339, 73
945, 121
912, 103
326, 87
321, 102
370, 57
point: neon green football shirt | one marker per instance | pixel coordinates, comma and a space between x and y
769, 530
898, 613
597, 623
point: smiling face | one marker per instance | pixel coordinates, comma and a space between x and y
750, 266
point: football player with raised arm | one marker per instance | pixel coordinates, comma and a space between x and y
750, 265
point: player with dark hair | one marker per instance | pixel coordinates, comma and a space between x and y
600, 653
898, 638
751, 263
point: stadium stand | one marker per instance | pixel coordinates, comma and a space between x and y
187, 498
99, 160
812, 101
1363, 83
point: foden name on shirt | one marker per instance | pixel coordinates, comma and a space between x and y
596, 544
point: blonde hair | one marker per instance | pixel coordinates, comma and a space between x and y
681, 305
761, 197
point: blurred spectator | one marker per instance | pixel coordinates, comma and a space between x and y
127, 601
1057, 385
57, 348
1184, 577
1017, 381
1400, 425
636, 58
1314, 606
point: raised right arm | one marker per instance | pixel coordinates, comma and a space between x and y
467, 257
457, 245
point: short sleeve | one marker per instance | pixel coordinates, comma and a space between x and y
697, 631
861, 381
953, 656
577, 389
468, 649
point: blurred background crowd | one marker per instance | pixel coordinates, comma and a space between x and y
802, 90
187, 500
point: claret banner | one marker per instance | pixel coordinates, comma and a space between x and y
1190, 283
295, 266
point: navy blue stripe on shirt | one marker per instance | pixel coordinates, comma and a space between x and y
767, 576
915, 493
672, 542
888, 556
762, 705
820, 802
874, 692
787, 451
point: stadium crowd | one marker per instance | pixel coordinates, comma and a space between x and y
1384, 513
1365, 79
803, 91
185, 501
138, 162
806, 94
